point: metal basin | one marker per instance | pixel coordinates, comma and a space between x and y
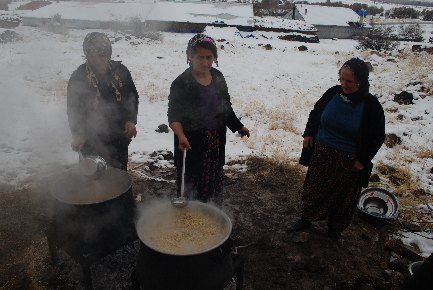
378, 205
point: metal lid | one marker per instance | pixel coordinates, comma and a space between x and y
71, 186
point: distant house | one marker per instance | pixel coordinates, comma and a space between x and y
164, 16
331, 22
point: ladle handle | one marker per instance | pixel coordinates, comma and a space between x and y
182, 186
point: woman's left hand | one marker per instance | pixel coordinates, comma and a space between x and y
357, 166
244, 132
130, 130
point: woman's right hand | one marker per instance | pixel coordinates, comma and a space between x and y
78, 143
308, 142
183, 143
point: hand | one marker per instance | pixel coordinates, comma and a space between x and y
183, 143
357, 166
78, 143
244, 132
308, 142
130, 130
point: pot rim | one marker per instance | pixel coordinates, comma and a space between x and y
226, 218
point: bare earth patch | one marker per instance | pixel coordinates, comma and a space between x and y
263, 201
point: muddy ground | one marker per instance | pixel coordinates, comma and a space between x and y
262, 201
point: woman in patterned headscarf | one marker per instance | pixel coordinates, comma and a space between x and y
199, 110
346, 129
102, 104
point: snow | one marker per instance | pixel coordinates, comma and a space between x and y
230, 14
323, 15
283, 23
424, 242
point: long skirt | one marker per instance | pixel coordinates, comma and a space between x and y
204, 166
331, 189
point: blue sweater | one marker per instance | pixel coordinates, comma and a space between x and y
339, 124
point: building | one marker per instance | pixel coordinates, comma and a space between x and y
330, 22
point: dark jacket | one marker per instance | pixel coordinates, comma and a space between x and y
183, 107
371, 132
102, 117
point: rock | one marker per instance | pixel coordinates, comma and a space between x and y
391, 60
400, 117
431, 170
268, 47
404, 98
221, 40
374, 178
429, 50
116, 39
411, 227
162, 155
391, 140
163, 128
416, 118
300, 38
302, 48
159, 57
337, 52
416, 48
369, 65
222, 47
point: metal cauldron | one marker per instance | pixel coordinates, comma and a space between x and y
90, 218
209, 268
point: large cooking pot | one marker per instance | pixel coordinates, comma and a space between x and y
207, 266
91, 216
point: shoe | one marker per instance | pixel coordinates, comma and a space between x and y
299, 225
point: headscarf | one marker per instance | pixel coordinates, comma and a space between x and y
96, 42
203, 41
360, 70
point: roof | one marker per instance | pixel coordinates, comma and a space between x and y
228, 13
324, 15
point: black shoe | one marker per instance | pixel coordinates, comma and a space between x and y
300, 225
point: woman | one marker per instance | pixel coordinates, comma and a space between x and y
199, 110
102, 104
346, 128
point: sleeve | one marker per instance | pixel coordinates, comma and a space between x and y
131, 105
376, 130
232, 121
176, 108
313, 122
75, 107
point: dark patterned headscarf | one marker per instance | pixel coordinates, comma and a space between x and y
360, 69
96, 42
203, 41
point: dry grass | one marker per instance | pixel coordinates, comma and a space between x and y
425, 153
155, 93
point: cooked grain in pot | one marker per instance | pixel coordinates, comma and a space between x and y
188, 231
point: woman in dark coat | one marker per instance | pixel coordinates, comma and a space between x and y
102, 104
345, 130
199, 110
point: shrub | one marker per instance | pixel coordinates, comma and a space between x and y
378, 38
412, 32
404, 12
427, 15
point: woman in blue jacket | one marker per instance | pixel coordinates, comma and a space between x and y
346, 128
